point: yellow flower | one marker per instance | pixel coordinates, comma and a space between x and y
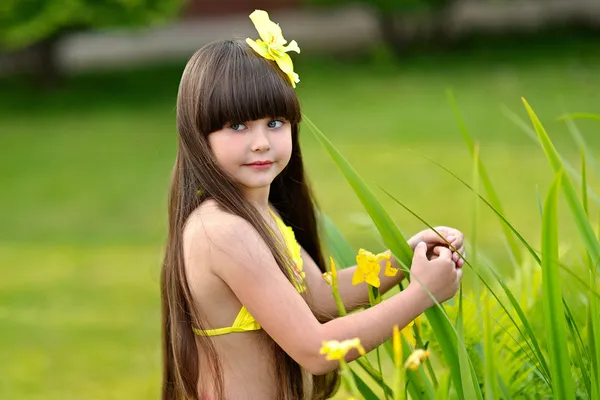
333, 269
389, 270
336, 350
367, 268
397, 346
327, 277
414, 360
272, 46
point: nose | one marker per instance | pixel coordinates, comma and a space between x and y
260, 140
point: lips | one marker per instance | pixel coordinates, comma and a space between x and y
260, 163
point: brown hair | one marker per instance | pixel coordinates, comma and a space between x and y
224, 82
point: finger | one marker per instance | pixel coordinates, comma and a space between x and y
420, 250
432, 238
438, 249
459, 274
443, 252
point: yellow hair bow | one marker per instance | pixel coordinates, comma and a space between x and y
272, 46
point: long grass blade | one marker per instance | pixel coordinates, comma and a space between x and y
580, 218
487, 183
443, 390
489, 345
336, 243
364, 388
526, 128
398, 245
580, 356
580, 116
560, 363
470, 390
534, 253
594, 340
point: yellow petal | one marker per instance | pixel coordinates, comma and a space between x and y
389, 271
373, 280
333, 270
328, 278
397, 346
286, 65
293, 46
260, 47
358, 277
264, 26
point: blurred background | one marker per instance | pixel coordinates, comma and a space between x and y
88, 139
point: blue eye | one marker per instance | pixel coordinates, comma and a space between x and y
238, 127
276, 123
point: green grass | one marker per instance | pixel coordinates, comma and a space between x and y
85, 174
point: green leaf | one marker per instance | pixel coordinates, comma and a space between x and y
336, 243
363, 388
581, 354
580, 217
594, 340
579, 116
489, 345
443, 390
532, 134
397, 244
560, 364
470, 385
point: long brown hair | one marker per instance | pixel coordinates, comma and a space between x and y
224, 82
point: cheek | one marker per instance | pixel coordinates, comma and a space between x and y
284, 146
222, 149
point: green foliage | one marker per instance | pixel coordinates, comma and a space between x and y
23, 23
513, 348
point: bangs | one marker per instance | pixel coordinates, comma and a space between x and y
239, 85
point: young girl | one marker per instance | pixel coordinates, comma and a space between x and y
245, 306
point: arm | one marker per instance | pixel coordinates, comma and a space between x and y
251, 272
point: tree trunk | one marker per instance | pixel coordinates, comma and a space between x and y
390, 35
45, 68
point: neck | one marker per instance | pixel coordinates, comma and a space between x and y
259, 198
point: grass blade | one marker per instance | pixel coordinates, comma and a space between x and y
532, 134
443, 390
470, 390
581, 356
580, 217
337, 244
562, 381
594, 340
580, 116
363, 388
489, 345
487, 183
529, 248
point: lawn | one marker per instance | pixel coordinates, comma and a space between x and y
85, 173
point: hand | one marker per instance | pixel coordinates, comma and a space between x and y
453, 236
440, 276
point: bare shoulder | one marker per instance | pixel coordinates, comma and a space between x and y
212, 232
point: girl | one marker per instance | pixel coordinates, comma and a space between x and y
245, 307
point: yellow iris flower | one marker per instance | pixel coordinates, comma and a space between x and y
272, 46
336, 350
416, 358
367, 268
397, 346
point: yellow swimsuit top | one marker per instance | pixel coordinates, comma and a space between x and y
244, 321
